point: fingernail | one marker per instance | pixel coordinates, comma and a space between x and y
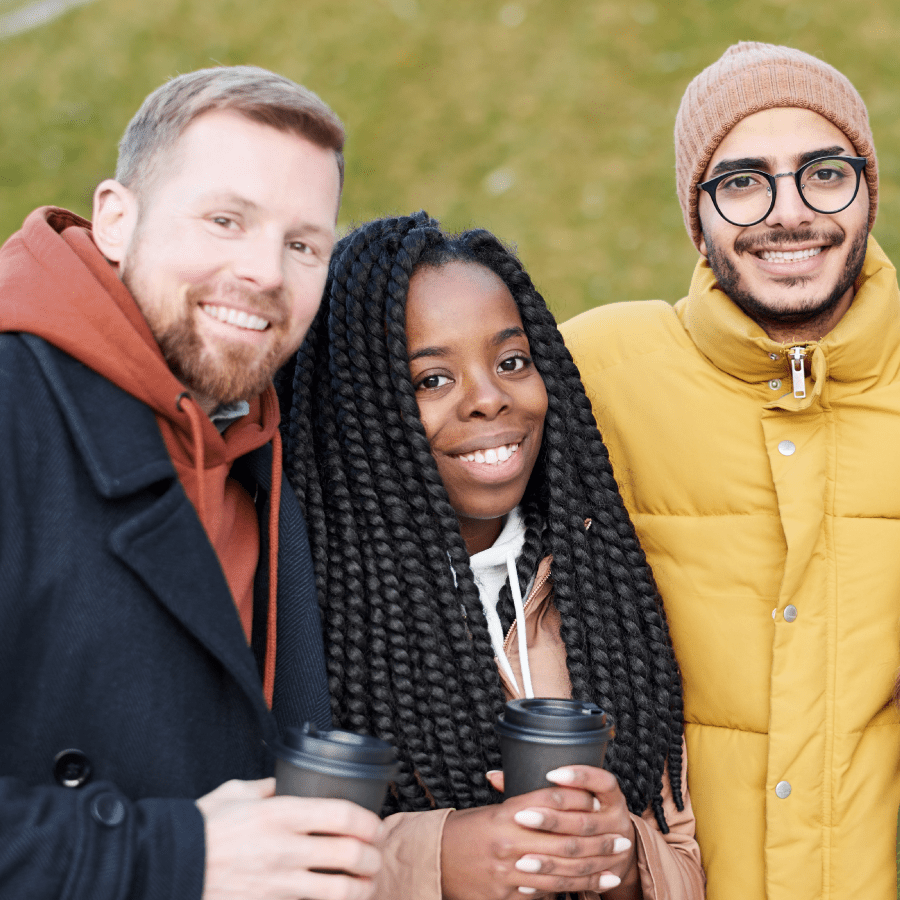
493, 772
608, 880
527, 890
530, 818
528, 864
563, 776
596, 804
620, 845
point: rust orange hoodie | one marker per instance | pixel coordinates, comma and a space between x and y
56, 284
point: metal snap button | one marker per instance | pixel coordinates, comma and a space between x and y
786, 448
108, 810
71, 768
775, 383
783, 790
790, 613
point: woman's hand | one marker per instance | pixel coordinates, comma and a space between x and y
575, 837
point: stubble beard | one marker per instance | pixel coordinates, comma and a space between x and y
809, 311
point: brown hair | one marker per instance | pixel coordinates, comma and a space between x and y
256, 93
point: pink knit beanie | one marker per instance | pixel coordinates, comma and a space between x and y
751, 77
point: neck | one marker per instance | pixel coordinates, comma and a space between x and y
806, 330
479, 534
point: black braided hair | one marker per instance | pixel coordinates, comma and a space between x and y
408, 650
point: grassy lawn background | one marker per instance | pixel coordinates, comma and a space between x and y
547, 121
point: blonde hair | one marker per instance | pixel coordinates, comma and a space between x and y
260, 95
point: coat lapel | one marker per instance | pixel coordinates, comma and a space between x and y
161, 539
301, 688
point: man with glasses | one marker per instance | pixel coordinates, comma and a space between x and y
754, 429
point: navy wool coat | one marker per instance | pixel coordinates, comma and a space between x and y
127, 688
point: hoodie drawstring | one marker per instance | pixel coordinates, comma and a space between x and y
272, 620
193, 413
520, 624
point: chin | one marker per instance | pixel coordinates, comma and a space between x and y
799, 306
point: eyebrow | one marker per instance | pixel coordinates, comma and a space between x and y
763, 163
499, 338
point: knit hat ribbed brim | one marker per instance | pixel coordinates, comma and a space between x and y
748, 78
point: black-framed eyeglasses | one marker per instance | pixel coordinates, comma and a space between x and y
826, 185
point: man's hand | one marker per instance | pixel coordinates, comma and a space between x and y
284, 848
574, 838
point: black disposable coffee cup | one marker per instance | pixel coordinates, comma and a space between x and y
539, 735
337, 764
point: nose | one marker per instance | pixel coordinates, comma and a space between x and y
260, 261
789, 210
485, 396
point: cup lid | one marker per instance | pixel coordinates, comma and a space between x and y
344, 748
555, 715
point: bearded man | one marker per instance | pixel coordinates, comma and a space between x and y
158, 619
753, 428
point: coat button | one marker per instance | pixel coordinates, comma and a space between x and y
786, 448
775, 383
790, 613
108, 809
71, 768
773, 356
783, 790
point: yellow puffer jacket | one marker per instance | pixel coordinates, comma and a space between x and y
772, 523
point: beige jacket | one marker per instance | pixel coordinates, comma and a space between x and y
669, 864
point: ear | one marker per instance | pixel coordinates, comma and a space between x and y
114, 219
702, 247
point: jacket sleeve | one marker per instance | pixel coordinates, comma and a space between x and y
668, 864
410, 844
93, 843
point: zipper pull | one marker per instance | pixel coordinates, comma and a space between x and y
797, 355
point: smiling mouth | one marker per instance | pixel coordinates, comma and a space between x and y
490, 455
236, 317
788, 256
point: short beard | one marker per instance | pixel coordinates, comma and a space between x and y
235, 372
810, 311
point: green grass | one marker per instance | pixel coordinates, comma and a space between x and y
547, 121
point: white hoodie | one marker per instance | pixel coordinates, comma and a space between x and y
491, 569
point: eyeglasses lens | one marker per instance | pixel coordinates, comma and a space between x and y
828, 185
744, 197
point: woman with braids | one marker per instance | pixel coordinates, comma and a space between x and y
438, 430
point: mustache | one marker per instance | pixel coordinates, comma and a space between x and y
270, 305
772, 240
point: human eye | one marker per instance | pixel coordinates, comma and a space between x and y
741, 183
432, 382
225, 222
301, 247
515, 363
827, 172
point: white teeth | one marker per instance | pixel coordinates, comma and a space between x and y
790, 256
492, 455
236, 317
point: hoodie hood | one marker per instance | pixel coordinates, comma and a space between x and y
56, 284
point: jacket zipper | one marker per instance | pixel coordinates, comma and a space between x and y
534, 591
797, 357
